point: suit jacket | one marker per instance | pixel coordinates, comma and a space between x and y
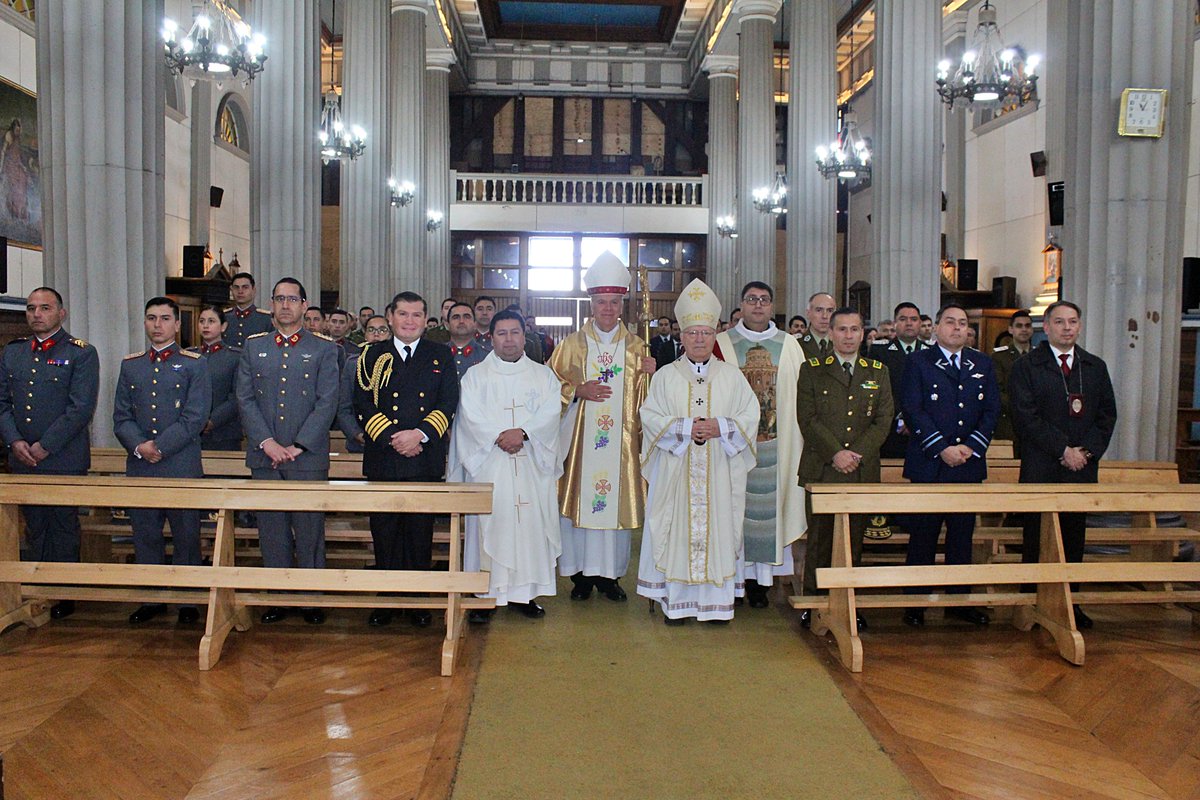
48, 395
391, 395
1042, 418
836, 412
894, 358
942, 409
287, 390
665, 353
222, 373
165, 400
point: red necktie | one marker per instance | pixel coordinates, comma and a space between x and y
1066, 368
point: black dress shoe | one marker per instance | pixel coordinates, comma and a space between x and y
583, 587
64, 609
380, 617
610, 589
479, 616
273, 614
915, 617
1082, 620
674, 622
189, 615
968, 614
530, 609
860, 622
146, 613
422, 619
806, 618
756, 594
314, 616
717, 621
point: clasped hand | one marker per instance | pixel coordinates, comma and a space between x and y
704, 429
1073, 459
957, 455
278, 453
407, 443
511, 441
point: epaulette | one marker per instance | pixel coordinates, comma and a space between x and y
262, 311
360, 345
322, 336
862, 362
816, 362
78, 342
227, 309
132, 356
876, 364
1000, 348
256, 335
19, 339
829, 359
189, 354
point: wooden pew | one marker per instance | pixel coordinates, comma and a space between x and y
229, 589
1051, 606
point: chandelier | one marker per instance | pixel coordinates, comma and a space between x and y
989, 74
849, 156
772, 200
727, 226
433, 220
219, 43
401, 193
339, 142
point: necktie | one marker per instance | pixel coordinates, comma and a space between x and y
849, 369
824, 347
1066, 368
407, 352
954, 363
907, 349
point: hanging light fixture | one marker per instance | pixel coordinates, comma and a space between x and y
849, 156
727, 226
219, 44
989, 75
401, 193
339, 141
772, 200
433, 220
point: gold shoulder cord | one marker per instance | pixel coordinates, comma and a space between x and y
381, 373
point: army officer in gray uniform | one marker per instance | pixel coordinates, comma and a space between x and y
245, 319
161, 406
223, 430
287, 390
48, 391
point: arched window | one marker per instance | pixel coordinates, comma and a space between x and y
232, 128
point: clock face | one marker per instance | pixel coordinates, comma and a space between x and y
1142, 112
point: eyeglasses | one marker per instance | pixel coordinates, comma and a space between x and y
287, 299
757, 300
700, 333
383, 329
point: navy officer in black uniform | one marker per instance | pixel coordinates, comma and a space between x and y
162, 404
245, 318
287, 390
951, 402
48, 392
405, 395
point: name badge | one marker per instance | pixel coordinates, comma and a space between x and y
1075, 404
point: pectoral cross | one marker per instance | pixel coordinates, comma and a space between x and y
513, 410
518, 505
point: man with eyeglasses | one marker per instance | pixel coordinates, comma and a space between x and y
774, 516
287, 390
375, 329
245, 319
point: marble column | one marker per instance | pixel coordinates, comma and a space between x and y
954, 31
437, 173
722, 172
200, 113
906, 176
285, 161
812, 121
1125, 201
365, 200
756, 143
102, 184
406, 94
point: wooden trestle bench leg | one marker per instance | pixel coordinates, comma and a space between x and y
14, 610
1054, 610
223, 612
455, 613
841, 619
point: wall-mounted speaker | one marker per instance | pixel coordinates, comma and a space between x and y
1055, 193
193, 260
3, 265
1038, 162
968, 274
1004, 292
215, 195
1191, 284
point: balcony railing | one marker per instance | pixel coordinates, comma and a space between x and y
620, 190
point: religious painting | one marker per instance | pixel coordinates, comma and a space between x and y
20, 180
1051, 264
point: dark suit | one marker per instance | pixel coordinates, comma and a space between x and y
943, 408
665, 351
838, 412
392, 394
165, 398
1042, 420
48, 394
226, 432
893, 356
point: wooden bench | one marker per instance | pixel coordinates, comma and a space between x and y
230, 589
1051, 606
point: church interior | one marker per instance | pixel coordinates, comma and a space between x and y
993, 156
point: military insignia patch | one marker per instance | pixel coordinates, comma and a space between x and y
878, 528
870, 385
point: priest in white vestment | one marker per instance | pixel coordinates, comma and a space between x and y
506, 434
699, 425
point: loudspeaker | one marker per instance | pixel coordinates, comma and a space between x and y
215, 195
1054, 197
1004, 292
1191, 283
3, 265
968, 274
193, 260
1038, 162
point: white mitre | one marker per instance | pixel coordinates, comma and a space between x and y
607, 275
697, 305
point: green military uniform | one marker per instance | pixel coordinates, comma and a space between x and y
839, 411
1003, 357
440, 334
815, 347
358, 336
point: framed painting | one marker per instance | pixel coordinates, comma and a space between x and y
20, 179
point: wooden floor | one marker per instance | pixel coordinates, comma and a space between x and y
90, 708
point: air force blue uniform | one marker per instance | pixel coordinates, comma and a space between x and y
943, 407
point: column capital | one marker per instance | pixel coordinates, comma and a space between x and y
439, 58
757, 9
422, 6
720, 66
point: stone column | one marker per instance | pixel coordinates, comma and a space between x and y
1125, 200
437, 173
200, 112
102, 184
406, 92
722, 172
756, 143
906, 175
285, 161
954, 30
812, 121
365, 205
